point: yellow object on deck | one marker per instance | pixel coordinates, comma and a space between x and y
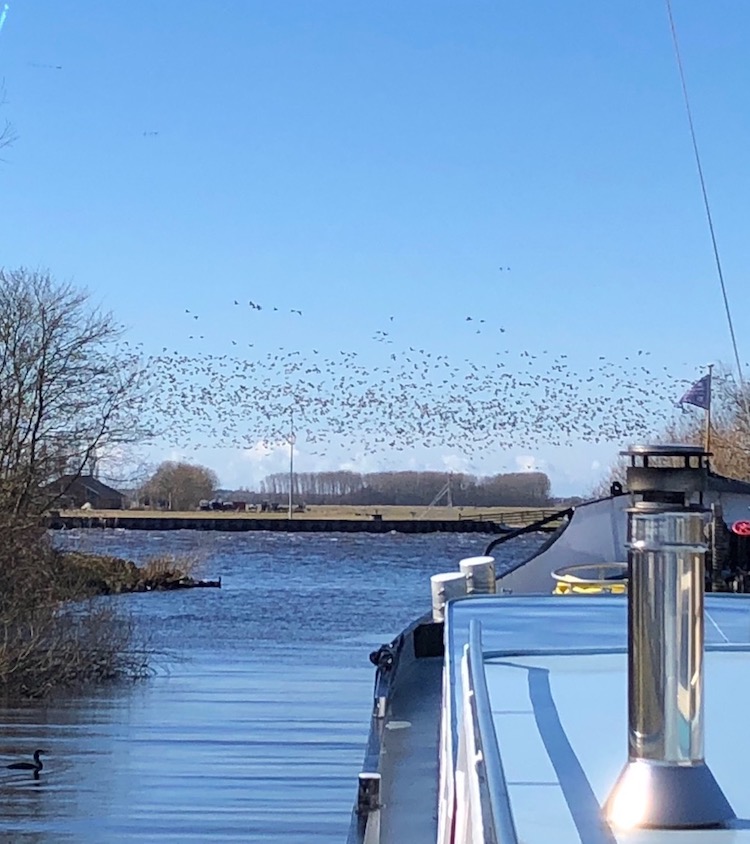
591, 579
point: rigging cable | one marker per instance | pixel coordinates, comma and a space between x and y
706, 204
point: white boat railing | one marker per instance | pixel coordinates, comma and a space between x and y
482, 807
446, 785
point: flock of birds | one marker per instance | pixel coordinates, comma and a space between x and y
413, 397
399, 396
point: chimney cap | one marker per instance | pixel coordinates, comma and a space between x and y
666, 450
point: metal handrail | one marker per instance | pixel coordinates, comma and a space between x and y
509, 517
364, 827
500, 814
541, 524
600, 650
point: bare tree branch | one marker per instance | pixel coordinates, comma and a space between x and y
7, 132
68, 392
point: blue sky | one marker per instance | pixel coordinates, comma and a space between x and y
375, 165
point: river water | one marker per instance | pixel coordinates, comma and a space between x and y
253, 727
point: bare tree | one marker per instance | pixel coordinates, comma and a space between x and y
730, 432
412, 488
730, 426
180, 486
7, 132
68, 391
69, 394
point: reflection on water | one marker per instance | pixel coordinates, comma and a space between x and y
256, 731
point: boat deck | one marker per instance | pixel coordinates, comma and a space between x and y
559, 710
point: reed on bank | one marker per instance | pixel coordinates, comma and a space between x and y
57, 630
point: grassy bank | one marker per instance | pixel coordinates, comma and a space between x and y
87, 575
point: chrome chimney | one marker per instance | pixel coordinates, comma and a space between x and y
666, 783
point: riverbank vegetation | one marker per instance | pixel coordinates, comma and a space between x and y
70, 391
54, 634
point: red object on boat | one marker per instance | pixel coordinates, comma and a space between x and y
741, 528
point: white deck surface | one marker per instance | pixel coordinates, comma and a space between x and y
561, 719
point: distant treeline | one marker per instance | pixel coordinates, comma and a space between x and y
415, 488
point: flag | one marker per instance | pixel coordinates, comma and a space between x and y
699, 394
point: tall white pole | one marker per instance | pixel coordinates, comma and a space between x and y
291, 463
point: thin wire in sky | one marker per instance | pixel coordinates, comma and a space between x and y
706, 205
3, 16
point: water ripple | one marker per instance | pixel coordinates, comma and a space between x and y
256, 732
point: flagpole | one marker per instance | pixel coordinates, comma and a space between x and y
708, 410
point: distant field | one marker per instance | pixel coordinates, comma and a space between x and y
325, 511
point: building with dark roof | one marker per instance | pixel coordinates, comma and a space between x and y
75, 492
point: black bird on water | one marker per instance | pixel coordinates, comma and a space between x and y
34, 766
